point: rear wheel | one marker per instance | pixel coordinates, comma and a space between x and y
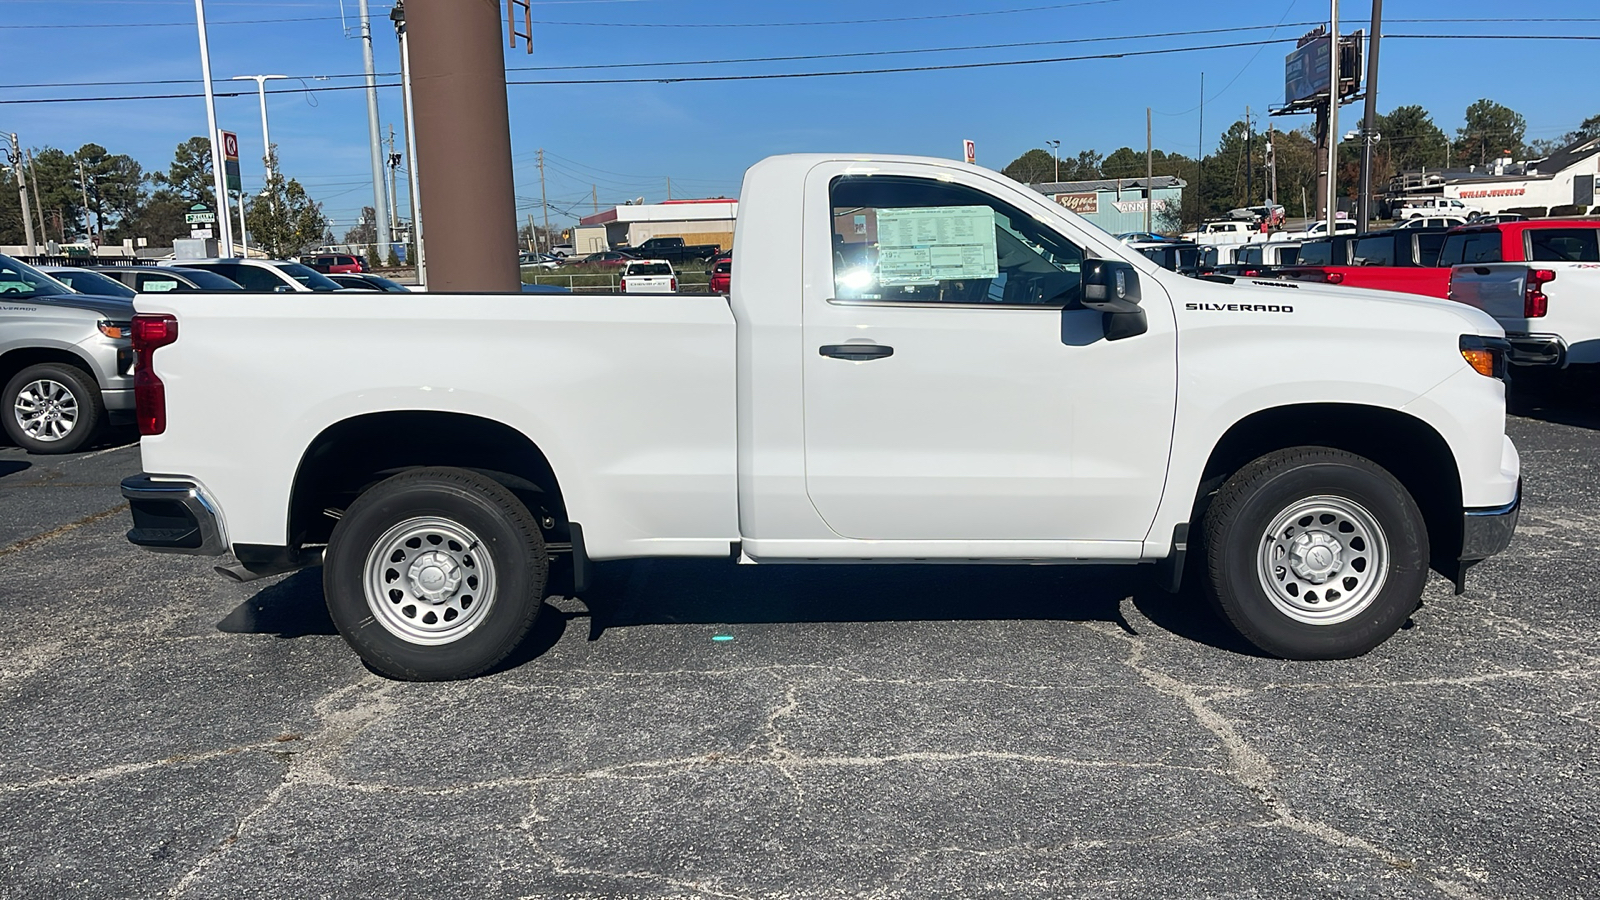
52, 408
1315, 553
435, 574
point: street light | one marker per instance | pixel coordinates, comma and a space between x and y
223, 223
1056, 147
266, 137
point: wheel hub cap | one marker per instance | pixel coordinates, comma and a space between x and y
1315, 556
46, 410
434, 576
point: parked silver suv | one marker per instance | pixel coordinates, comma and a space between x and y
66, 361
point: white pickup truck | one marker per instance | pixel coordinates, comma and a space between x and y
919, 361
1437, 206
1549, 305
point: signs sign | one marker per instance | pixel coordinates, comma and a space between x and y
199, 214
230, 159
1082, 204
1306, 71
970, 150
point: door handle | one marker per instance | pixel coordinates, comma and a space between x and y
856, 352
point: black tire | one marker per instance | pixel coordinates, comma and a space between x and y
1237, 543
517, 569
85, 397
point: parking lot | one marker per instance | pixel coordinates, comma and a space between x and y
696, 729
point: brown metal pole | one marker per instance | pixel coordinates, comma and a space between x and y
463, 134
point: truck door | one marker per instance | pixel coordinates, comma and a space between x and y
954, 387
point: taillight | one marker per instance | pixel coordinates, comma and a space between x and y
149, 394
1534, 302
672, 285
624, 285
1335, 277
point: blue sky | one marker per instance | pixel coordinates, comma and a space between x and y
627, 139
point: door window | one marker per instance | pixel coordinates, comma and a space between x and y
899, 239
1374, 251
1478, 247
1563, 245
251, 278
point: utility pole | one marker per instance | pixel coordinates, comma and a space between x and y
1149, 174
1200, 152
544, 204
1369, 118
38, 208
83, 185
22, 194
594, 197
463, 134
380, 206
218, 179
419, 255
393, 160
1272, 164
1249, 156
1333, 119
669, 187
244, 250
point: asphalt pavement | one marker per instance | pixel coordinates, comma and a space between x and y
694, 729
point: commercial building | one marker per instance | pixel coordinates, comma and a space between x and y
1564, 178
1118, 204
696, 221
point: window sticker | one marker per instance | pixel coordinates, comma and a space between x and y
929, 244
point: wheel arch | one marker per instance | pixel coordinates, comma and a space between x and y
1406, 446
351, 455
15, 360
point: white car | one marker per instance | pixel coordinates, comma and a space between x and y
263, 276
649, 276
1433, 222
919, 361
1320, 228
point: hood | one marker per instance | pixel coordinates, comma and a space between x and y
1364, 301
117, 309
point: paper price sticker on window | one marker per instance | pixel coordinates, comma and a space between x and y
924, 245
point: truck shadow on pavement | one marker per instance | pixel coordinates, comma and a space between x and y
716, 592
1561, 404
13, 466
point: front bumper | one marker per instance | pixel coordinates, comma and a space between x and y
1536, 350
173, 517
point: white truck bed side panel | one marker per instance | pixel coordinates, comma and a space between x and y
630, 399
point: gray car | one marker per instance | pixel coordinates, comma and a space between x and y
66, 361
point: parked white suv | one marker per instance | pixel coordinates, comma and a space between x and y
263, 276
649, 276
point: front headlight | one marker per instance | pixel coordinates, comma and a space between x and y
1486, 355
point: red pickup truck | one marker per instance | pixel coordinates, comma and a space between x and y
1418, 261
1400, 259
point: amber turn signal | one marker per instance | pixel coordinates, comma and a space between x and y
1482, 361
112, 331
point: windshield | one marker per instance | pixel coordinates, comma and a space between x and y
307, 276
86, 282
649, 269
18, 281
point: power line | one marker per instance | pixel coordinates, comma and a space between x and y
925, 18
676, 79
209, 23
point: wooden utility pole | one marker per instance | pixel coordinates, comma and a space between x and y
544, 203
463, 144
1369, 119
22, 194
1249, 158
83, 185
1334, 77
594, 197
38, 208
1149, 174
669, 187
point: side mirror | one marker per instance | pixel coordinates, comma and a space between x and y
282, 289
1112, 287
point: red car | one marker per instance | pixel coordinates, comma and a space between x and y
606, 258
337, 263
721, 275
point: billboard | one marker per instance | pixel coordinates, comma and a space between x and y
1306, 71
1082, 204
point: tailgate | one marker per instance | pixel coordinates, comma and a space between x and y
1498, 289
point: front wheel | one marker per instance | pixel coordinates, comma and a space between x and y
52, 408
1315, 553
435, 574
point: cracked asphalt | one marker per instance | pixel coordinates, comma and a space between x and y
694, 729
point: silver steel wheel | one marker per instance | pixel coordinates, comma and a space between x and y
429, 581
1323, 560
46, 410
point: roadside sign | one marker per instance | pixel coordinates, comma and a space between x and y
970, 149
230, 159
199, 214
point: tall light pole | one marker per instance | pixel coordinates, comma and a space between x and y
224, 225
266, 136
1333, 120
380, 206
1056, 147
397, 15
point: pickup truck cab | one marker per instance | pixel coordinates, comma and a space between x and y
1541, 281
1405, 260
1437, 206
1223, 231
649, 276
920, 361
673, 249
1263, 258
